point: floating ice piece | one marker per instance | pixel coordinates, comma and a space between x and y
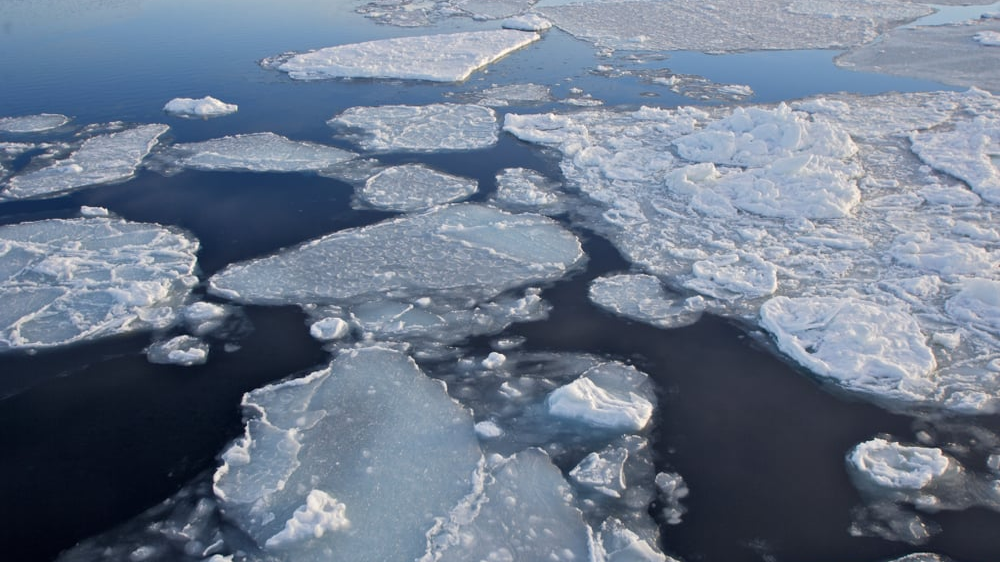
610, 396
863, 346
672, 489
32, 123
970, 152
203, 318
977, 303
415, 13
527, 22
201, 108
101, 159
492, 9
618, 543
392, 463
419, 128
259, 152
521, 189
494, 360
885, 464
94, 211
641, 297
513, 94
988, 38
468, 248
329, 329
66, 281
488, 429
603, 472
414, 187
941, 255
732, 276
922, 557
450, 57
181, 350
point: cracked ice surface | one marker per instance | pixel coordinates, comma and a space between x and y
414, 187
32, 123
834, 208
415, 128
450, 57
66, 281
100, 159
258, 152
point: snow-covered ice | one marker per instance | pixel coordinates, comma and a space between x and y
67, 281
527, 22
970, 152
611, 396
329, 328
521, 189
885, 464
602, 471
201, 108
32, 123
450, 57
101, 159
202, 318
181, 350
414, 187
672, 489
508, 94
258, 152
416, 128
416, 13
642, 297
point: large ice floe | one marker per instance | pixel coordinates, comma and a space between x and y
414, 187
859, 232
256, 152
101, 159
67, 281
32, 123
450, 57
418, 128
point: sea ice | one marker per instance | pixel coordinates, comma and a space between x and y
450, 57
329, 329
66, 281
181, 350
258, 152
414, 187
521, 189
202, 108
672, 489
100, 159
202, 318
32, 123
642, 298
414, 128
989, 38
604, 472
611, 396
527, 22
970, 152
416, 13
885, 464
510, 94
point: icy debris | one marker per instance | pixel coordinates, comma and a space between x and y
66, 281
618, 543
395, 462
202, 318
415, 128
603, 472
494, 360
329, 329
32, 123
468, 248
611, 396
523, 189
414, 187
202, 108
510, 94
181, 350
258, 152
988, 38
94, 211
884, 464
977, 303
100, 159
527, 22
642, 297
672, 489
319, 515
450, 57
492, 9
970, 152
488, 429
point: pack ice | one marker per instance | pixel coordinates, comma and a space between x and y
100, 159
412, 128
201, 108
66, 281
257, 152
869, 213
414, 187
450, 57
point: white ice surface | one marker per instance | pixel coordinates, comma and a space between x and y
671, 489
201, 108
320, 514
203, 318
66, 281
611, 396
329, 328
414, 187
988, 38
32, 123
527, 22
602, 471
258, 152
641, 297
970, 152
416, 13
886, 464
419, 128
181, 350
521, 189
450, 57
100, 159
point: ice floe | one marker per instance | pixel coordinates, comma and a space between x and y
521, 189
527, 22
642, 297
201, 108
450, 57
672, 489
67, 281
328, 329
507, 94
180, 350
417, 13
414, 187
610, 396
970, 152
101, 159
32, 123
888, 465
202, 318
257, 152
426, 128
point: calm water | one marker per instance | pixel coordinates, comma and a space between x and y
92, 435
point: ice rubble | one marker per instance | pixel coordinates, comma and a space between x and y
450, 57
642, 297
414, 187
100, 159
201, 108
424, 128
884, 464
258, 152
32, 123
521, 189
66, 281
180, 350
833, 210
610, 396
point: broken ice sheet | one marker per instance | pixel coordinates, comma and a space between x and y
32, 123
256, 152
521, 189
642, 297
611, 397
450, 57
202, 108
66, 281
970, 152
105, 158
414, 187
414, 128
181, 350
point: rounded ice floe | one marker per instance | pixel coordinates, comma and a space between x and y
921, 557
329, 329
181, 350
611, 396
449, 57
201, 108
414, 187
494, 360
419, 128
258, 152
527, 22
885, 464
106, 158
513, 94
642, 297
32, 123
863, 346
66, 281
488, 429
671, 489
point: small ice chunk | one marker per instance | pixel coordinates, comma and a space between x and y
610, 396
672, 489
94, 211
524, 189
488, 429
414, 187
329, 329
641, 297
885, 464
988, 38
181, 350
258, 152
494, 360
621, 544
320, 514
202, 317
527, 22
603, 472
100, 159
32, 123
202, 108
419, 128
449, 57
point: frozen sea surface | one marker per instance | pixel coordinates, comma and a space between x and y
428, 128
414, 187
